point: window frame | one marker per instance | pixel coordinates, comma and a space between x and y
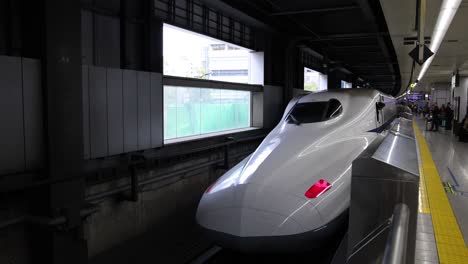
202, 83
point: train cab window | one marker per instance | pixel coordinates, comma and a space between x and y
314, 112
334, 109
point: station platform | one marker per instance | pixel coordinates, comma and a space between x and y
442, 229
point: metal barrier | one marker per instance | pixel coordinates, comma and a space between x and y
384, 199
395, 250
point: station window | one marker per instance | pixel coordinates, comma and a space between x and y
346, 85
315, 81
191, 111
192, 55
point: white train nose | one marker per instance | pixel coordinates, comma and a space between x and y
247, 222
251, 210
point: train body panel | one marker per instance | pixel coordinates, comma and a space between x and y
264, 195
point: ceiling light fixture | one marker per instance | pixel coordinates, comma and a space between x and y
447, 12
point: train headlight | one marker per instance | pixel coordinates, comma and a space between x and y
319, 188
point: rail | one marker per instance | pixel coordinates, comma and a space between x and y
384, 199
134, 185
395, 250
47, 221
33, 179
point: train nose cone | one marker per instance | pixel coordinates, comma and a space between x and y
247, 222
250, 210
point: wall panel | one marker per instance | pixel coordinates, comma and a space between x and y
115, 111
144, 110
87, 38
123, 111
130, 110
107, 41
85, 85
98, 112
12, 156
33, 118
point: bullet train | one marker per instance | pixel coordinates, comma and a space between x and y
293, 192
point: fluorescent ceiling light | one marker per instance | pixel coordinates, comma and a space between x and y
447, 12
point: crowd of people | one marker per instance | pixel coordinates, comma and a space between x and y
441, 117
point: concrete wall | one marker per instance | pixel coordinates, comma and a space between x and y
161, 204
14, 245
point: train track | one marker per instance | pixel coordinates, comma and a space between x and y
218, 255
207, 255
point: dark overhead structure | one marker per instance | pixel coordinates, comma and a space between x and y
348, 35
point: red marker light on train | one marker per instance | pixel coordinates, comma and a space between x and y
320, 187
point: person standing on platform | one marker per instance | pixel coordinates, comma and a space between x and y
449, 117
426, 110
442, 115
463, 132
435, 118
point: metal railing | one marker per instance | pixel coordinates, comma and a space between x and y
395, 250
134, 185
384, 199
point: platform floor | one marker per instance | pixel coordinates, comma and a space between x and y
443, 197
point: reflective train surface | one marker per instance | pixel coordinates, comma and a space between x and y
293, 192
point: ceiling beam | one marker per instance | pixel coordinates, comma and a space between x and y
345, 36
315, 10
379, 75
381, 64
364, 60
352, 47
356, 53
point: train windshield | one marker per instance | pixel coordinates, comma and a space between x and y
314, 112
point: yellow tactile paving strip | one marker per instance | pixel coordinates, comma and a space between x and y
423, 206
449, 239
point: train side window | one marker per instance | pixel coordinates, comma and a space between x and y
334, 109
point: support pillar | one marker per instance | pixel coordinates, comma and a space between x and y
61, 74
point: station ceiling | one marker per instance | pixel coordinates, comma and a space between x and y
350, 33
452, 55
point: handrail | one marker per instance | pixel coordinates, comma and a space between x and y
395, 249
374, 234
91, 198
29, 183
47, 221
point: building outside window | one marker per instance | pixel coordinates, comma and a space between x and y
194, 111
346, 85
188, 54
191, 111
315, 81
